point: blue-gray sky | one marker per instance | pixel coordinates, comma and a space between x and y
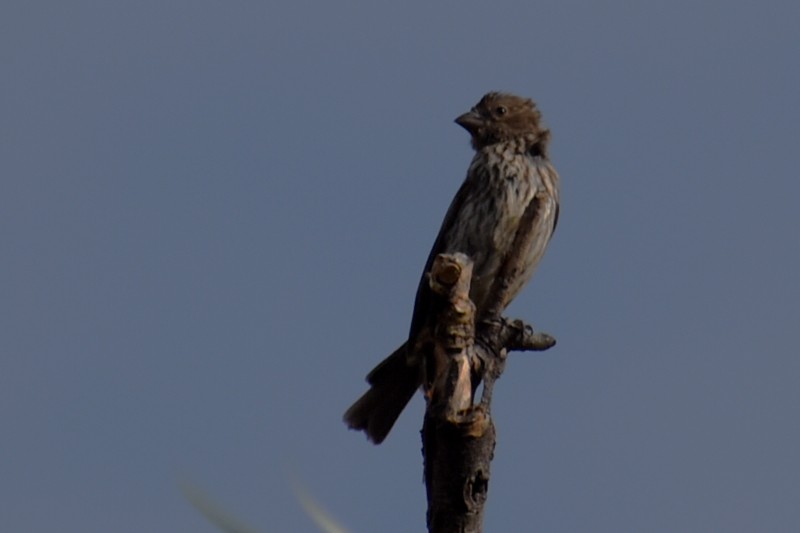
213, 217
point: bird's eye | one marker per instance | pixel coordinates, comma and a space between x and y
501, 110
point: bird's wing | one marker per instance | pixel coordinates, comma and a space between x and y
440, 245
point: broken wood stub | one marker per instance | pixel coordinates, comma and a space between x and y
458, 435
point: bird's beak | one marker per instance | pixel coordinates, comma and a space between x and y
470, 121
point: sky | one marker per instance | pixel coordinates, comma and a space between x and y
213, 217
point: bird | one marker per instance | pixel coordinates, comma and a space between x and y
509, 170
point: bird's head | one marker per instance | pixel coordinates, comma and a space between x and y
502, 117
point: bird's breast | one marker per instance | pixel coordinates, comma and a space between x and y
536, 181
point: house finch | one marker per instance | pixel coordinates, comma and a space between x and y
510, 168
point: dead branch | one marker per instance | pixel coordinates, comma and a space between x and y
458, 435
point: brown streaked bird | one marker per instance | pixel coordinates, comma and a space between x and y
510, 168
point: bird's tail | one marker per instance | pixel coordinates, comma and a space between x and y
392, 384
